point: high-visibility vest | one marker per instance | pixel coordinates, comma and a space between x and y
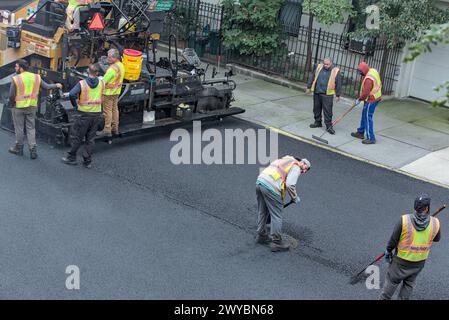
73, 4
279, 169
27, 89
415, 245
331, 85
115, 86
77, 3
90, 99
376, 92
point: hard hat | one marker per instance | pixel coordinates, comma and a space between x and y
307, 162
422, 202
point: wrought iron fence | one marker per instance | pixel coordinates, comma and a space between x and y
198, 25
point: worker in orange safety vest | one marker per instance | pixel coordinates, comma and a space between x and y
272, 185
325, 83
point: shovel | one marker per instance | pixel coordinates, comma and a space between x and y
285, 206
148, 114
320, 138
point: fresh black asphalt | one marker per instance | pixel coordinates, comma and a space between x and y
140, 227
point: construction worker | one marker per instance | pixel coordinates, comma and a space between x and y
412, 238
325, 83
113, 80
370, 94
24, 96
272, 184
72, 11
89, 93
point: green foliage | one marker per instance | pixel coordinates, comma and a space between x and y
444, 101
437, 34
328, 12
403, 20
252, 27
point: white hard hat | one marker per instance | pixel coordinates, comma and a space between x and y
307, 162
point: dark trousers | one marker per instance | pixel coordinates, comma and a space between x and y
323, 104
84, 129
398, 273
25, 118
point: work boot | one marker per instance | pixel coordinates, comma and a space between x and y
368, 141
17, 150
69, 160
33, 153
262, 239
103, 134
115, 132
87, 164
278, 244
330, 130
316, 125
358, 135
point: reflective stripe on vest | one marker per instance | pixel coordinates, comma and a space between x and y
27, 89
415, 245
115, 87
331, 85
279, 169
376, 91
90, 98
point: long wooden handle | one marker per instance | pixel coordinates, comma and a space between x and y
439, 210
343, 115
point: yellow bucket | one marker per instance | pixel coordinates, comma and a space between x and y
132, 60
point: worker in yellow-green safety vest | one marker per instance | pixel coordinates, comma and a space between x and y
24, 98
370, 95
412, 238
113, 80
72, 22
272, 185
325, 83
86, 98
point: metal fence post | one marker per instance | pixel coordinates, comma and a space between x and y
220, 35
317, 47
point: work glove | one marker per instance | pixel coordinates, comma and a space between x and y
357, 102
388, 257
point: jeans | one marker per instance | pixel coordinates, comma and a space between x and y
366, 123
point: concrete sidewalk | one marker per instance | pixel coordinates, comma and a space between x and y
412, 136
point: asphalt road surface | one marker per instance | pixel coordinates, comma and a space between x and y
138, 226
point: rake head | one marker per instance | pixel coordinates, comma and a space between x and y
320, 139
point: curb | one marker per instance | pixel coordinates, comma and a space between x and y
352, 156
